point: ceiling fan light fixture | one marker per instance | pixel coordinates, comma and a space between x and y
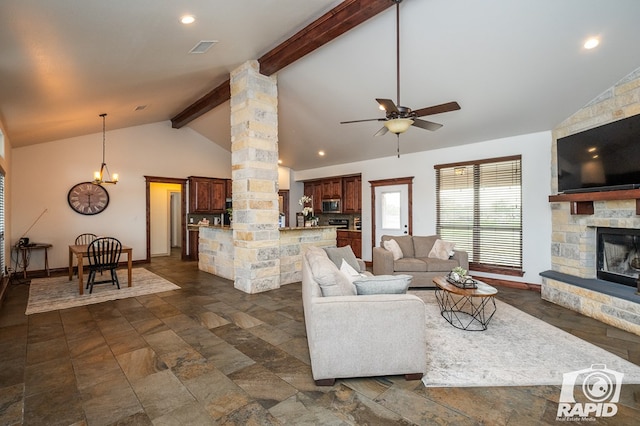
398, 125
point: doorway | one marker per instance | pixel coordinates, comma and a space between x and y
166, 216
391, 208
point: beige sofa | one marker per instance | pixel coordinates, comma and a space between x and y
362, 335
416, 261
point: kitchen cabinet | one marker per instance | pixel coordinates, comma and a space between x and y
345, 188
207, 195
194, 237
350, 238
313, 189
352, 194
332, 188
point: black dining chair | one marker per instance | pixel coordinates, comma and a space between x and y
104, 255
84, 239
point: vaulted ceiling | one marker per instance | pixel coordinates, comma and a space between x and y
514, 67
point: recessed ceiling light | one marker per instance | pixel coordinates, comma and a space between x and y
188, 19
279, 161
591, 43
321, 153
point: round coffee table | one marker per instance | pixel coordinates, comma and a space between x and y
466, 308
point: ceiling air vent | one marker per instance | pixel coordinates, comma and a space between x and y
203, 46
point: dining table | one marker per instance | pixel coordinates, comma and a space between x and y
79, 252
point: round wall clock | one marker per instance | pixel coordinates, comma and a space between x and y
88, 198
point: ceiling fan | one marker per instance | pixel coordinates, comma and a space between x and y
398, 118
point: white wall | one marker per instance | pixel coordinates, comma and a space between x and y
536, 159
43, 173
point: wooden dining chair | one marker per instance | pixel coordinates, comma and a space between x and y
84, 239
103, 254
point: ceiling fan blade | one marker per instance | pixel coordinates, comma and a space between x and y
424, 124
437, 109
388, 105
360, 121
382, 131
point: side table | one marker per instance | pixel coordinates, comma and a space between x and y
25, 252
466, 308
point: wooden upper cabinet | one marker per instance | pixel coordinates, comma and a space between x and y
317, 197
332, 188
229, 188
352, 194
313, 189
207, 195
219, 195
348, 189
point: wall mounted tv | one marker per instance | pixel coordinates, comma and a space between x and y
604, 158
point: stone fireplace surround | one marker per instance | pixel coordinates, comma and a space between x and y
573, 281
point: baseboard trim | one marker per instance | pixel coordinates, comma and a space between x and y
511, 284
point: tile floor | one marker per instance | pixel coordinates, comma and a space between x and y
209, 354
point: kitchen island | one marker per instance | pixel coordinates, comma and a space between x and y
216, 249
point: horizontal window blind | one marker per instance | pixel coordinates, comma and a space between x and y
479, 207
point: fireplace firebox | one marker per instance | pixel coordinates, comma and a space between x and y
618, 255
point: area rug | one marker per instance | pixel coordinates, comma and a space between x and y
49, 294
517, 349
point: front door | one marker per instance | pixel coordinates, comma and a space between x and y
392, 209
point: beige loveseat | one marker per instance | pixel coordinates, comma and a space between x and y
415, 259
362, 335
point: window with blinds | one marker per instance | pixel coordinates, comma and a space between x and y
479, 207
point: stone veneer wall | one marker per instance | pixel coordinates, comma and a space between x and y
254, 170
294, 242
216, 250
573, 247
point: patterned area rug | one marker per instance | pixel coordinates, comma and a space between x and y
49, 294
517, 349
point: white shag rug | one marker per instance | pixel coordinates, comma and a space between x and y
49, 294
517, 349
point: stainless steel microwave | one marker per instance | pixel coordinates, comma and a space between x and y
331, 206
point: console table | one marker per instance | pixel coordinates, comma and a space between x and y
25, 252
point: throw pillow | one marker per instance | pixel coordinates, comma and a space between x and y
394, 248
383, 284
442, 250
337, 254
331, 281
350, 273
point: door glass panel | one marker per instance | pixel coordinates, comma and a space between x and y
390, 204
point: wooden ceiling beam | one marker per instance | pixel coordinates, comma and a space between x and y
347, 15
337, 21
216, 97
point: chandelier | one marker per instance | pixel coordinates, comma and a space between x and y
103, 176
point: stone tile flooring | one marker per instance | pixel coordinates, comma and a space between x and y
209, 354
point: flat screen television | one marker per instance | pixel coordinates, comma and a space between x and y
604, 158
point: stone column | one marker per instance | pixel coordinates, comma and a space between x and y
254, 170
